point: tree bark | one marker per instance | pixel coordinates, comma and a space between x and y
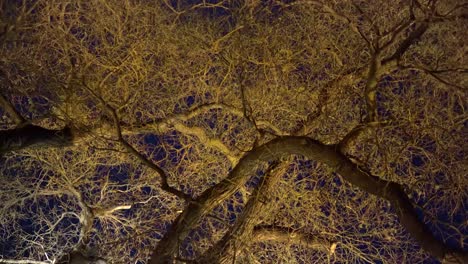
282, 147
29, 135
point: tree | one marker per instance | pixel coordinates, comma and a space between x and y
233, 131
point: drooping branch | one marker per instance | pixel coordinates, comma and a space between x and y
314, 150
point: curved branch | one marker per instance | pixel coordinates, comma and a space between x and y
283, 147
214, 143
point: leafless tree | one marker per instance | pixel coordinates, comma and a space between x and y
233, 131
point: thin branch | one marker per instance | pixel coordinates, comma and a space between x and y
352, 25
346, 79
434, 74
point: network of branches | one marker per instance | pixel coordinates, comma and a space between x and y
233, 131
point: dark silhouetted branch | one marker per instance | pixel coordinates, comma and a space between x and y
31, 135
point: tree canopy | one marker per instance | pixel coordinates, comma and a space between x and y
233, 131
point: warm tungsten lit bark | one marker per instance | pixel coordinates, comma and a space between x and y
246, 231
238, 235
281, 148
233, 131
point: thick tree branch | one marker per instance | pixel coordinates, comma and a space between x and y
26, 134
77, 257
314, 150
412, 38
244, 231
371, 88
239, 234
378, 66
30, 135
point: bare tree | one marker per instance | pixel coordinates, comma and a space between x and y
233, 131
